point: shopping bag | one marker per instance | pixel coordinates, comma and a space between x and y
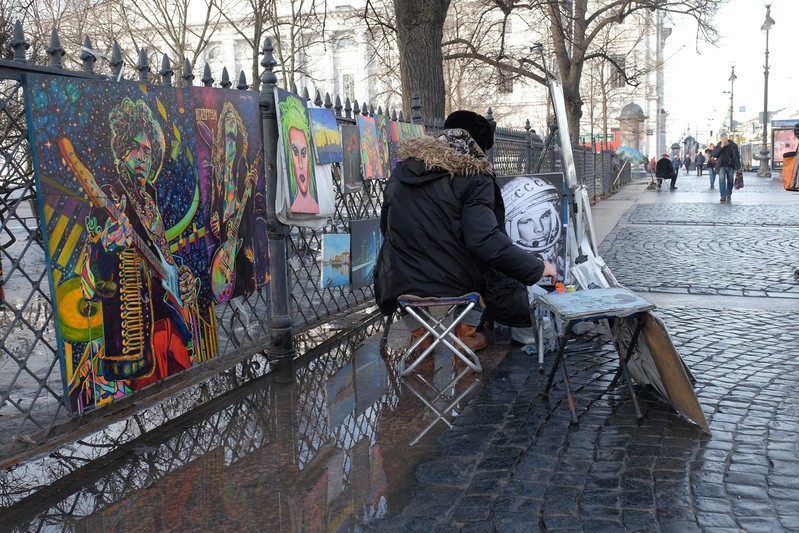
739, 180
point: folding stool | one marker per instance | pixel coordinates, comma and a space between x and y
417, 307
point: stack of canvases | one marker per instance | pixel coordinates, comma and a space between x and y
305, 194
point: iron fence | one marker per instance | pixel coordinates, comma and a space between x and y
294, 313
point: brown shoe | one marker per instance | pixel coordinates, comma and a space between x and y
416, 335
469, 336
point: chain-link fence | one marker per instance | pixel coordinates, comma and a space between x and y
34, 414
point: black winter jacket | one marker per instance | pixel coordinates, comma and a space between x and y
664, 168
442, 224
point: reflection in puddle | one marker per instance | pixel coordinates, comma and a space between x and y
333, 450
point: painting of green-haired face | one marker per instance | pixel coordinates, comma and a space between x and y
296, 133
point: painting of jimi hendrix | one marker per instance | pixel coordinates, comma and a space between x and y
125, 224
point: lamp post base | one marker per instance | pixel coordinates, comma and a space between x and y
763, 171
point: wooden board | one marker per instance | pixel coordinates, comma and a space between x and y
656, 362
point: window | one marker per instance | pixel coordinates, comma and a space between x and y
617, 77
505, 82
348, 86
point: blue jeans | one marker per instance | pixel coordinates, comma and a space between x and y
726, 176
712, 171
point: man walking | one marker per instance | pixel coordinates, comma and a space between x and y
728, 160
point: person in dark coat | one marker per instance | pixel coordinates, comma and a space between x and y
443, 223
728, 160
664, 170
700, 162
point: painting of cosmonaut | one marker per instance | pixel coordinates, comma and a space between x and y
534, 215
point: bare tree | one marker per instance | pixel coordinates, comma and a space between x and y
573, 31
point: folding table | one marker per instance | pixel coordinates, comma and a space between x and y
590, 305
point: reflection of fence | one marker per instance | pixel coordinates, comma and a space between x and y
289, 313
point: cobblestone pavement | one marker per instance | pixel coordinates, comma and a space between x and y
512, 461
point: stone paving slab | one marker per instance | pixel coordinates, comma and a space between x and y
715, 214
536, 472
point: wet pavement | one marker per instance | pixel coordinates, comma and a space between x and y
351, 446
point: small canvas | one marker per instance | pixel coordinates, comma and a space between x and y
371, 166
326, 137
383, 137
397, 131
364, 246
351, 165
335, 259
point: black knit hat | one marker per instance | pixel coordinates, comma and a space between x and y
480, 129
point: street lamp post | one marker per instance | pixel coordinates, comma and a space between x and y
764, 171
733, 77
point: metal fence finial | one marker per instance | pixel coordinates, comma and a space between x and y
305, 95
356, 109
143, 66
400, 118
318, 98
338, 107
379, 110
18, 43
116, 62
371, 110
527, 126
394, 115
225, 83
328, 103
207, 80
416, 107
490, 116
166, 71
54, 50
86, 56
242, 85
269, 63
187, 75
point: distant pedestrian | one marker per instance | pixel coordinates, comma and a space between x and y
700, 163
687, 163
676, 163
728, 160
665, 170
711, 165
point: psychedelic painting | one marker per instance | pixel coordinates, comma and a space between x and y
228, 143
383, 137
398, 131
365, 241
335, 259
371, 167
295, 131
124, 226
351, 166
326, 138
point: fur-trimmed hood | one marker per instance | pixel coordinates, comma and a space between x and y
437, 154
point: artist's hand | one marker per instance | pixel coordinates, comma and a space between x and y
549, 271
187, 284
117, 233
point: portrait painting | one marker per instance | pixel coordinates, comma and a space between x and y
326, 137
351, 165
229, 146
365, 241
119, 194
371, 166
295, 131
534, 215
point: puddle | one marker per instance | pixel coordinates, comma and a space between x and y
334, 450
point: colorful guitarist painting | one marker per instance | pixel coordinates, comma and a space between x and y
120, 197
231, 163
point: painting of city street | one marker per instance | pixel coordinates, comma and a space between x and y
335, 259
364, 245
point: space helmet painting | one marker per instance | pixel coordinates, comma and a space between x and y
533, 217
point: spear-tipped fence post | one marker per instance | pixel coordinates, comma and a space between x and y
242, 85
54, 50
86, 55
187, 75
348, 108
18, 43
225, 83
328, 103
318, 99
143, 66
416, 107
207, 79
281, 349
338, 107
166, 71
116, 62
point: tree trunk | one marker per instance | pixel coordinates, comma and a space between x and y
420, 31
